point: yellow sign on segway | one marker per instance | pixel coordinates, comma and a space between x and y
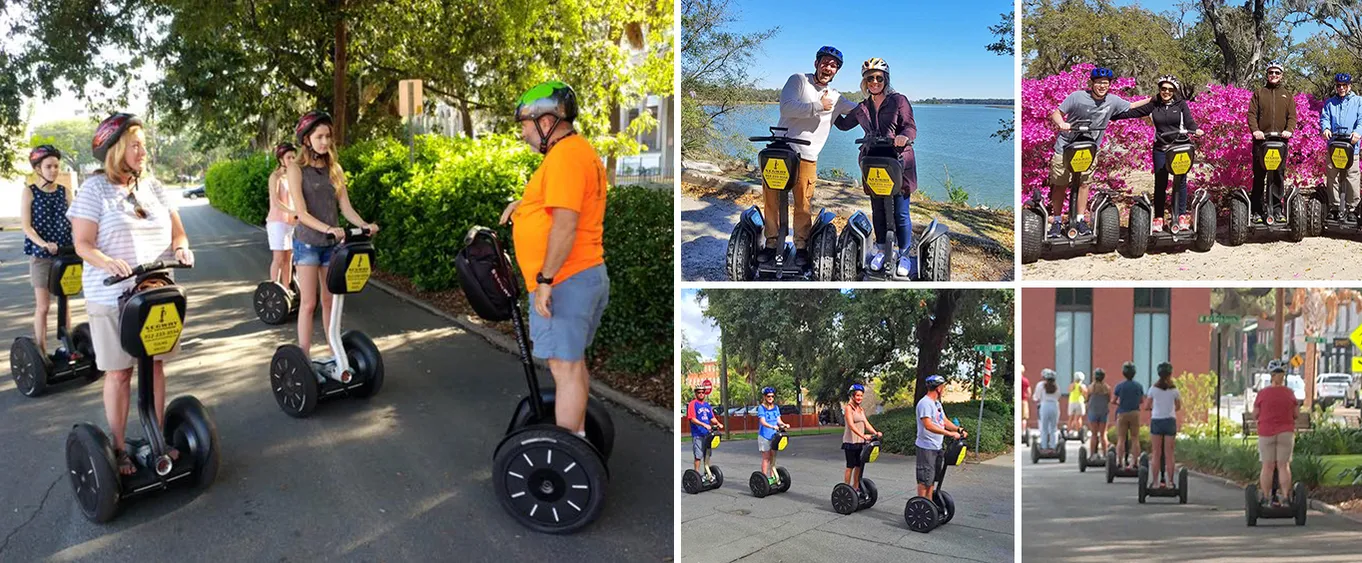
874, 454
161, 329
713, 441
782, 441
1339, 157
1081, 160
357, 273
776, 174
960, 458
70, 279
1182, 162
1272, 159
879, 181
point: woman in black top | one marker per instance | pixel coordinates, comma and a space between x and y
1170, 114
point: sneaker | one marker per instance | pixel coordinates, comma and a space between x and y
802, 257
771, 479
1281, 216
1351, 217
877, 262
1156, 225
1056, 229
1258, 218
905, 268
1083, 228
766, 255
1185, 222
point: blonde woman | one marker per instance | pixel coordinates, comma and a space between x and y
279, 223
122, 217
317, 188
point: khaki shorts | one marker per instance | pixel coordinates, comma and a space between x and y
109, 353
1276, 448
1128, 424
1059, 174
39, 271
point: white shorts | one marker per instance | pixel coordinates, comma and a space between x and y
1076, 408
281, 235
109, 352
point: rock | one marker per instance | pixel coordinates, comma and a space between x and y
701, 166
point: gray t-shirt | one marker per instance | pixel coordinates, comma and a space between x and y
1081, 105
926, 439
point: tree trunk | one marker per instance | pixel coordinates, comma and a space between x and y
932, 332
467, 117
339, 98
1230, 73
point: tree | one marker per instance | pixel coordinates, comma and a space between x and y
1239, 34
1004, 46
71, 137
1130, 40
714, 64
690, 358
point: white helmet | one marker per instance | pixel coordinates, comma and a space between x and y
873, 64
1078, 376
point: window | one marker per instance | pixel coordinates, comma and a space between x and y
1151, 332
1073, 333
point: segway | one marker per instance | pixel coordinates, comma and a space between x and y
74, 358
549, 479
356, 367
1181, 154
1295, 508
882, 179
1089, 459
151, 318
1178, 491
1081, 434
845, 498
1114, 470
1271, 154
923, 515
274, 303
1335, 221
1036, 242
761, 484
779, 171
1038, 453
692, 481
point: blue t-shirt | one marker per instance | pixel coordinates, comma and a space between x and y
772, 417
1128, 394
703, 412
928, 408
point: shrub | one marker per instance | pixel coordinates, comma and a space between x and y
1330, 440
241, 188
900, 426
1310, 469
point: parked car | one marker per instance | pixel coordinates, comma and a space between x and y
789, 409
1331, 387
1353, 398
194, 192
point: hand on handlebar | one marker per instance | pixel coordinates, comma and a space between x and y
1200, 132
1064, 126
1258, 135
185, 256
900, 140
118, 268
336, 233
1286, 134
1355, 137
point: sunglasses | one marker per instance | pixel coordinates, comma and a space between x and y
1274, 73
874, 78
137, 208
1165, 89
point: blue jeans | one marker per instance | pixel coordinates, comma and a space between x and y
1161, 187
903, 222
1049, 424
576, 307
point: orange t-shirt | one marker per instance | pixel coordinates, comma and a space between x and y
571, 177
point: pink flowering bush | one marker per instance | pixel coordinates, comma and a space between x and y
1224, 153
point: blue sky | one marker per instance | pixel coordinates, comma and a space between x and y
934, 49
1301, 32
699, 331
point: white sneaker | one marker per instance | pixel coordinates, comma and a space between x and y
905, 263
877, 263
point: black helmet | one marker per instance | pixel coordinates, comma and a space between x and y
109, 131
1128, 369
1099, 374
307, 123
547, 98
1165, 369
41, 152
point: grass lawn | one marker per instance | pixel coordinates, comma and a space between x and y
791, 432
1339, 464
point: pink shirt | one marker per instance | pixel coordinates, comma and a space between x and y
277, 214
1276, 406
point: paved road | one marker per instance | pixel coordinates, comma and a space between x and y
729, 524
1072, 516
404, 476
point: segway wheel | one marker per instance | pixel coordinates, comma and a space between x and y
872, 493
28, 366
784, 480
1032, 235
1182, 485
1144, 460
293, 382
1299, 502
1239, 219
1063, 452
1108, 229
823, 255
759, 484
190, 429
85, 346
844, 499
1035, 452
850, 259
1137, 236
273, 304
94, 480
1251, 505
1315, 211
551, 481
600, 427
690, 482
1111, 466
718, 477
921, 515
1082, 459
1296, 220
934, 264
366, 360
946, 503
1205, 227
742, 256
1143, 482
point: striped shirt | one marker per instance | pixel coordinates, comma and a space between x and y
121, 234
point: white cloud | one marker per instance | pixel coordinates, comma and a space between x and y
699, 331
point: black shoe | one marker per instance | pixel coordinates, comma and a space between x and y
1083, 228
1351, 218
1258, 218
766, 255
1281, 216
802, 258
1056, 229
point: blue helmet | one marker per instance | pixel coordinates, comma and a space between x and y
934, 381
831, 52
768, 390
1343, 78
1101, 72
857, 387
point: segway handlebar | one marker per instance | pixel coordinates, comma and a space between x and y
350, 232
1179, 136
878, 139
146, 268
773, 138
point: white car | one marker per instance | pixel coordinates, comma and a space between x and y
1331, 387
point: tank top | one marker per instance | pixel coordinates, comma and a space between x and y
49, 219
320, 197
857, 418
1076, 395
276, 214
1099, 398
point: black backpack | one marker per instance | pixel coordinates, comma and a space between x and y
485, 275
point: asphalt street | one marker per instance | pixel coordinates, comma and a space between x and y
730, 524
404, 476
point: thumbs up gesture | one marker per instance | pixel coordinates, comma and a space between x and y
827, 101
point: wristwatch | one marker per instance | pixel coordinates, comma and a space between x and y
539, 278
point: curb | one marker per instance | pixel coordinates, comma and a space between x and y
1318, 505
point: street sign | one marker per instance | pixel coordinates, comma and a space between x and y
1296, 361
408, 97
988, 370
1315, 340
1342, 343
990, 348
1356, 336
1218, 319
1357, 363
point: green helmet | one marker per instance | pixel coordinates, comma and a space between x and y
548, 98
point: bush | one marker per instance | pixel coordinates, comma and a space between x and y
1239, 462
1330, 440
240, 188
1207, 429
900, 426
1144, 436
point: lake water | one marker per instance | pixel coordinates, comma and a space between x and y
954, 137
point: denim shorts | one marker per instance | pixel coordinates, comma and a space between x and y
305, 254
1163, 427
576, 305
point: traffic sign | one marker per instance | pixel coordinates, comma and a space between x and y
1356, 336
1357, 363
988, 370
1315, 340
409, 98
990, 348
1218, 319
1296, 361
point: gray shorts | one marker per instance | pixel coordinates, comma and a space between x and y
763, 444
927, 462
39, 271
698, 446
577, 305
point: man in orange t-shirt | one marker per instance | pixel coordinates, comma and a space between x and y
557, 229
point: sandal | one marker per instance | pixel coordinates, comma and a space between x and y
125, 465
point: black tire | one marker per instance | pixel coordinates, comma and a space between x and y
600, 427
1082, 459
1300, 502
1251, 505
784, 479
1137, 235
946, 503
844, 500
759, 484
1111, 466
718, 476
690, 482
94, 480
1315, 211
850, 258
1063, 452
1182, 485
273, 304
365, 360
29, 367
1143, 485
1296, 219
549, 480
190, 428
1239, 219
1109, 229
1205, 228
934, 264
741, 259
823, 255
1032, 235
1035, 452
871, 492
921, 515
85, 346
293, 382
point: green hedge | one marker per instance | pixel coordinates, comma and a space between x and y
900, 426
1240, 462
425, 208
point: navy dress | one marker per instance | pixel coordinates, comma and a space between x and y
49, 219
